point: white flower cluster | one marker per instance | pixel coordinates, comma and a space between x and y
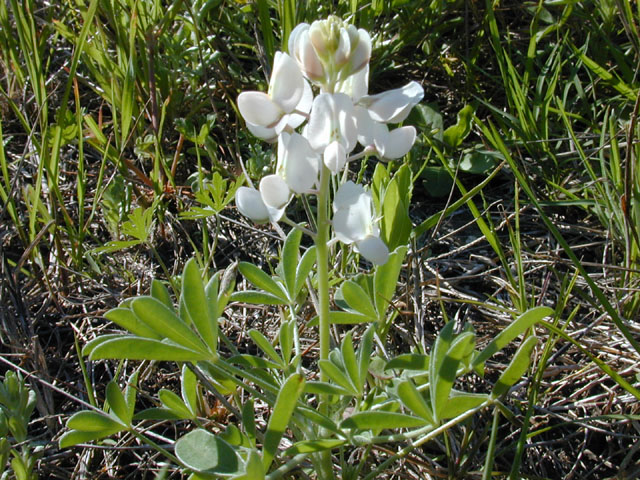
334, 57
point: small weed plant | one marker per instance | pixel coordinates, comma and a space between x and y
326, 414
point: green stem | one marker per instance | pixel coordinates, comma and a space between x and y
324, 464
322, 255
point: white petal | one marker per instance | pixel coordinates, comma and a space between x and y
393, 106
308, 59
298, 163
319, 128
265, 133
294, 120
356, 85
335, 157
361, 54
286, 84
274, 191
258, 109
250, 204
348, 134
398, 142
294, 38
332, 118
380, 134
373, 249
341, 55
352, 220
347, 194
365, 126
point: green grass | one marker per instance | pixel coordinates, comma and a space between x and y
121, 147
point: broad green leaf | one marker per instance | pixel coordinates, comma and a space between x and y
130, 394
409, 361
396, 224
162, 319
174, 403
189, 389
350, 361
253, 361
157, 414
253, 469
337, 375
128, 320
285, 337
364, 354
437, 182
455, 134
197, 305
479, 161
261, 280
289, 260
117, 403
90, 421
517, 327
138, 348
517, 367
207, 453
249, 421
91, 345
386, 279
265, 345
255, 297
379, 420
304, 268
233, 436
441, 384
160, 292
461, 402
75, 437
414, 401
311, 446
211, 291
323, 388
357, 299
436, 359
279, 421
316, 418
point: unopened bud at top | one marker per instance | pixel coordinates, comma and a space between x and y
329, 50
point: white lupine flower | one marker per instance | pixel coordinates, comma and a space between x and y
332, 119
286, 104
250, 204
354, 222
298, 164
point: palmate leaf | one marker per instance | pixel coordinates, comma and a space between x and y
446, 374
